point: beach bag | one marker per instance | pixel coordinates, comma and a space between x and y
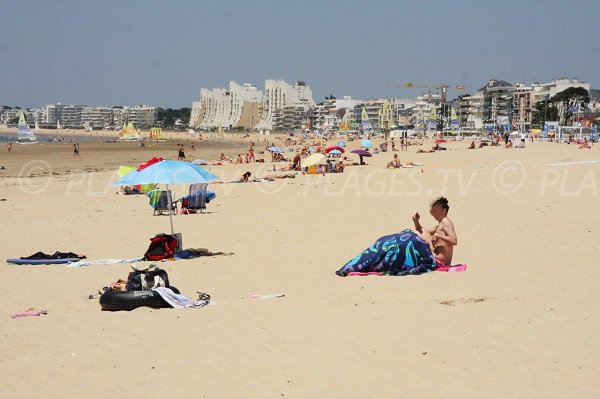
162, 246
146, 279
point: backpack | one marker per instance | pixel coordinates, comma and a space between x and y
162, 246
146, 279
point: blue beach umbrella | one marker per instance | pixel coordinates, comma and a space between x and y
366, 143
168, 172
335, 152
341, 144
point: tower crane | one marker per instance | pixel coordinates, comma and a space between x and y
442, 88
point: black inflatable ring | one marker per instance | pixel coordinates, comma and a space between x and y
129, 300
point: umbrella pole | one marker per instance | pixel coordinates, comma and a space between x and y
170, 210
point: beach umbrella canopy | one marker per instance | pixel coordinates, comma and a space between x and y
366, 143
363, 153
149, 162
168, 172
337, 152
312, 160
440, 141
336, 148
277, 150
341, 144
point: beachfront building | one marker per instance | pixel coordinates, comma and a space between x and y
237, 107
142, 116
369, 113
96, 117
53, 114
522, 103
471, 112
279, 94
290, 117
402, 109
497, 103
245, 105
71, 116
334, 114
548, 90
119, 117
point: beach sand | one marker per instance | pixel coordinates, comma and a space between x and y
521, 322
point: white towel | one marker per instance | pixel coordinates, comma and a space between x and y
179, 301
103, 262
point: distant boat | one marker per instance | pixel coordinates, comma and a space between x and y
25, 135
128, 133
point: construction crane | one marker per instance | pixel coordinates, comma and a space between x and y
442, 88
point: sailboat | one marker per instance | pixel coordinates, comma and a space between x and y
25, 135
156, 134
365, 123
128, 133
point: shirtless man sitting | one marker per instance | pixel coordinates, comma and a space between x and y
394, 163
441, 238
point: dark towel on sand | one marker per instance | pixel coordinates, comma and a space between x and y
56, 255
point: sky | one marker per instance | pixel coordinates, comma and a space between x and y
114, 52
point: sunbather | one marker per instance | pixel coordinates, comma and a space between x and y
442, 238
409, 252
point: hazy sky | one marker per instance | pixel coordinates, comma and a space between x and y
130, 52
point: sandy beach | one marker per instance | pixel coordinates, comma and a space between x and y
521, 322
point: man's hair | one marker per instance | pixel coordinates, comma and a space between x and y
442, 201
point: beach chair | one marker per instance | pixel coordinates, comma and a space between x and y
197, 198
162, 204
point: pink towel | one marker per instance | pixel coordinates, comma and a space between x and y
365, 274
456, 268
440, 268
28, 312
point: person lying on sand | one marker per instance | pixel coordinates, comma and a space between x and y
421, 151
348, 162
441, 238
275, 177
585, 144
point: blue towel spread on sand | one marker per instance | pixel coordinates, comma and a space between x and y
395, 254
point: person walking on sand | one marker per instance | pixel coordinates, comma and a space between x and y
9, 147
76, 151
181, 153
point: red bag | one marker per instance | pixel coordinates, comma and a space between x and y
162, 246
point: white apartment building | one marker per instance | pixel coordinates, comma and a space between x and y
143, 116
245, 108
71, 117
279, 94
96, 117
